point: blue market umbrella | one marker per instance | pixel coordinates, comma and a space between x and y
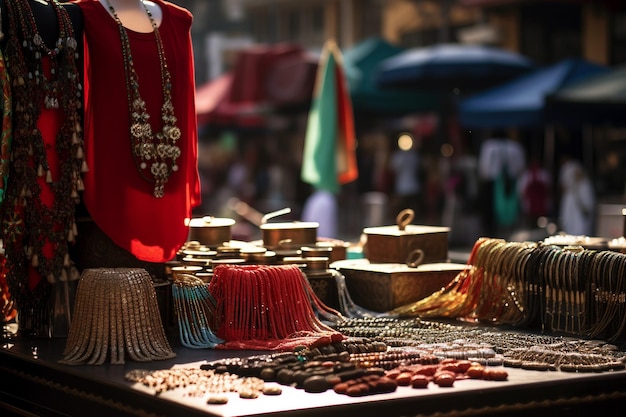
597, 100
361, 63
444, 67
521, 102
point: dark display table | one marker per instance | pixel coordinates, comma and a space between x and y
32, 382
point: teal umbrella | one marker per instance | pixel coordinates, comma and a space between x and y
361, 67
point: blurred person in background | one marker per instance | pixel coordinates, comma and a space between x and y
535, 186
405, 166
321, 207
501, 162
577, 204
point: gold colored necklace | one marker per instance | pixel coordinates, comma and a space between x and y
154, 154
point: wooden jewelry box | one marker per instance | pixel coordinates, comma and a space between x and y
381, 287
394, 244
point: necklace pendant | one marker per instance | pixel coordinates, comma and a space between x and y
37, 40
136, 130
172, 133
51, 102
159, 191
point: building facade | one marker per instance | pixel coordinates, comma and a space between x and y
544, 30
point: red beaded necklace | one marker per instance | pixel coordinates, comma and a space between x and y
155, 154
266, 307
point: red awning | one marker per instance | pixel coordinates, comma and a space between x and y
263, 78
209, 96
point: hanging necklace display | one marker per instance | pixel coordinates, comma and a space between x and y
42, 78
7, 114
154, 154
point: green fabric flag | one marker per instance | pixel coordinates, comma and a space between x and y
329, 158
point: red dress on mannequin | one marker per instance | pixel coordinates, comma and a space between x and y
118, 198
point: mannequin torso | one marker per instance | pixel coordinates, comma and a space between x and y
120, 197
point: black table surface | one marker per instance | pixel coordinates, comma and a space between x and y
33, 382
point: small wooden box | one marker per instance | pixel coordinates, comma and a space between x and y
390, 244
382, 287
324, 286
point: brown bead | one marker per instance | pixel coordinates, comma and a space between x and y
248, 393
315, 384
444, 378
217, 399
272, 390
340, 388
419, 381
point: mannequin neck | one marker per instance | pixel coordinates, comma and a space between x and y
132, 13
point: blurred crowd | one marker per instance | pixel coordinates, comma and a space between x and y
499, 190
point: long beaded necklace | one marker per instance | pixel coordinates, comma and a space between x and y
7, 115
155, 154
29, 224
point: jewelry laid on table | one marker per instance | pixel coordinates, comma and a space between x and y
520, 293
607, 295
154, 153
77, 344
573, 290
118, 347
456, 299
267, 307
116, 313
510, 310
195, 382
617, 324
347, 306
137, 350
583, 291
553, 296
193, 306
600, 296
42, 78
567, 289
566, 357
